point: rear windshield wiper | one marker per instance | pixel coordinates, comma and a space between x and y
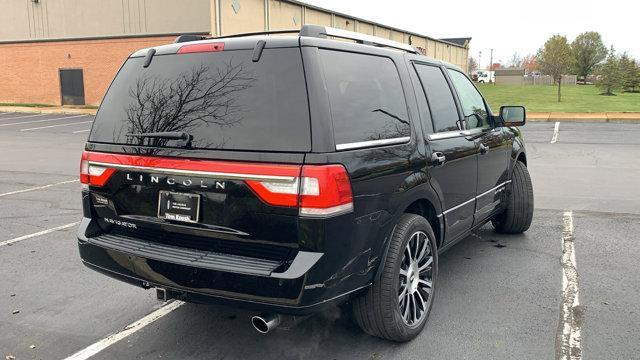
184, 138
171, 135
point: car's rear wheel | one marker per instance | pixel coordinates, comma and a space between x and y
398, 304
517, 217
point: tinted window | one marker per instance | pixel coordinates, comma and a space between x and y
443, 108
365, 96
223, 99
473, 108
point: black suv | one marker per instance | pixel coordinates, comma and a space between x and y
287, 174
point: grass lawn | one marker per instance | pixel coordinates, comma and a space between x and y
543, 98
26, 105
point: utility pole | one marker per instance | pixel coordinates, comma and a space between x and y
491, 67
480, 60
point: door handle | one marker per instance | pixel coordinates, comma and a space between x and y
483, 149
438, 158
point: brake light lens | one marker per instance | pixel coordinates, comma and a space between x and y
316, 190
91, 174
320, 191
203, 47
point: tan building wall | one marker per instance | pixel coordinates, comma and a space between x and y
238, 16
30, 73
54, 19
382, 32
284, 16
509, 80
317, 17
30, 66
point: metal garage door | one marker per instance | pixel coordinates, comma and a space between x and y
72, 86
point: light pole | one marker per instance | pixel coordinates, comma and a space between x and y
480, 60
491, 67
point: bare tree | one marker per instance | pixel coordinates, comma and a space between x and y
472, 65
515, 61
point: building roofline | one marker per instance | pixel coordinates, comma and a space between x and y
315, 7
295, 2
105, 37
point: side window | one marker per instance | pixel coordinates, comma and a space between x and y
366, 97
473, 107
444, 113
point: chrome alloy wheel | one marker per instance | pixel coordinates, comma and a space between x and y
416, 279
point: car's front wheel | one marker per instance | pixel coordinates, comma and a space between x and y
518, 215
398, 304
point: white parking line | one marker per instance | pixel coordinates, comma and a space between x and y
569, 347
38, 187
556, 130
52, 126
43, 232
96, 347
39, 121
81, 131
20, 117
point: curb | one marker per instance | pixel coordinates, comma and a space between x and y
628, 118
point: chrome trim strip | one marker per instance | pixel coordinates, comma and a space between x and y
477, 197
345, 34
371, 143
493, 189
453, 134
208, 174
458, 206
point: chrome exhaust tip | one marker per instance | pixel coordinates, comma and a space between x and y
264, 323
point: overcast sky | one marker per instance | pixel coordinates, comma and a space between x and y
506, 26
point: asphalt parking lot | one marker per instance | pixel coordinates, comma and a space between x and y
499, 297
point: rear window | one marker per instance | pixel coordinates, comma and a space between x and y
224, 99
366, 97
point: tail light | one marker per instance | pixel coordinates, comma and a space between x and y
91, 174
317, 190
320, 191
325, 191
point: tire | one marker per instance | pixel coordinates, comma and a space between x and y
378, 312
517, 217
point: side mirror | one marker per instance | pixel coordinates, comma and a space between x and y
513, 115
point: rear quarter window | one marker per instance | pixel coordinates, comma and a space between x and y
366, 97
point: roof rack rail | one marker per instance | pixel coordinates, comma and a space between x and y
323, 31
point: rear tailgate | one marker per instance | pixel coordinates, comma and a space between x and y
158, 189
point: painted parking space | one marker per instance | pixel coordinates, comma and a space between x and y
497, 294
48, 123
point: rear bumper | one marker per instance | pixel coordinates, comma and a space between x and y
203, 277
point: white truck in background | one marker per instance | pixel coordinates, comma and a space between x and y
485, 76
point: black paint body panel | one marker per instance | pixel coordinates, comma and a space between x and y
386, 181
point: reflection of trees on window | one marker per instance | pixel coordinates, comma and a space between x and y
194, 98
391, 130
477, 117
395, 128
